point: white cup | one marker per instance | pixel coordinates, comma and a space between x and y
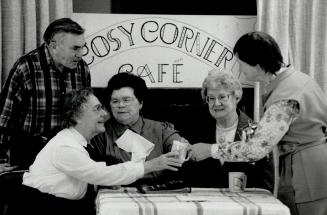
236, 181
181, 148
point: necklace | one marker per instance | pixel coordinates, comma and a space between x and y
221, 139
226, 134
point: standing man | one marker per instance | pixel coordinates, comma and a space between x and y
31, 98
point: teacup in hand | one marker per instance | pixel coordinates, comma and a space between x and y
181, 148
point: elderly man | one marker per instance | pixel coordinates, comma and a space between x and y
31, 98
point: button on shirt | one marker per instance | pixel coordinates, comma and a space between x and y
64, 168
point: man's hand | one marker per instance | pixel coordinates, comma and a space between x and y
168, 161
5, 167
200, 151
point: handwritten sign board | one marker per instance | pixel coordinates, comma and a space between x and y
168, 51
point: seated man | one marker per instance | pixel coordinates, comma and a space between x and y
221, 121
126, 93
57, 180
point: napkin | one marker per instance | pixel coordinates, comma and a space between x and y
136, 144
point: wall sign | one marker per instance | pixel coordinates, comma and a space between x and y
168, 51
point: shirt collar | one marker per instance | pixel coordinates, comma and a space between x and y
284, 73
136, 127
78, 136
48, 55
243, 119
50, 60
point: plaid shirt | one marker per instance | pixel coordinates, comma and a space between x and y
31, 98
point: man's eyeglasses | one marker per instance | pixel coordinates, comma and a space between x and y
125, 101
221, 98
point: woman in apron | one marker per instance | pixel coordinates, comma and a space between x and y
294, 119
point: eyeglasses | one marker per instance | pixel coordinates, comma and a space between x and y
125, 101
98, 108
221, 98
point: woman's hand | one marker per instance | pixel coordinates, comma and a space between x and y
5, 167
199, 151
183, 140
168, 161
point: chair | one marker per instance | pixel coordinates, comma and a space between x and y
10, 183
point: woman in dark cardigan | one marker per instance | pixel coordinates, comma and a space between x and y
220, 120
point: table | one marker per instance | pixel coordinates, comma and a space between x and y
201, 201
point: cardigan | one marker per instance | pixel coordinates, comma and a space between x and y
210, 172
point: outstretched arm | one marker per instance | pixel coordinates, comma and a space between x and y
270, 130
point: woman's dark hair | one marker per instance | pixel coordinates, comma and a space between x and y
62, 25
73, 104
125, 79
259, 48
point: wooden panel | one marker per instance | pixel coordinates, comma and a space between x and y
203, 7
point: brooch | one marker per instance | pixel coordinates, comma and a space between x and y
248, 130
221, 139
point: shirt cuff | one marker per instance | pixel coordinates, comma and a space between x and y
214, 151
215, 154
139, 169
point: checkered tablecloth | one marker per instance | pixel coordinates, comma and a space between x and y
201, 201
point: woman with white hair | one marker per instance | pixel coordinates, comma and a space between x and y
224, 122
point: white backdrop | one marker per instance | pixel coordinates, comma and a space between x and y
171, 51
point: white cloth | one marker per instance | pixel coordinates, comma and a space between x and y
136, 144
64, 168
207, 201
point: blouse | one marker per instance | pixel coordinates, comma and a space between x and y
63, 168
270, 130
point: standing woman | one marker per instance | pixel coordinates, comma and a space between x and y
295, 120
